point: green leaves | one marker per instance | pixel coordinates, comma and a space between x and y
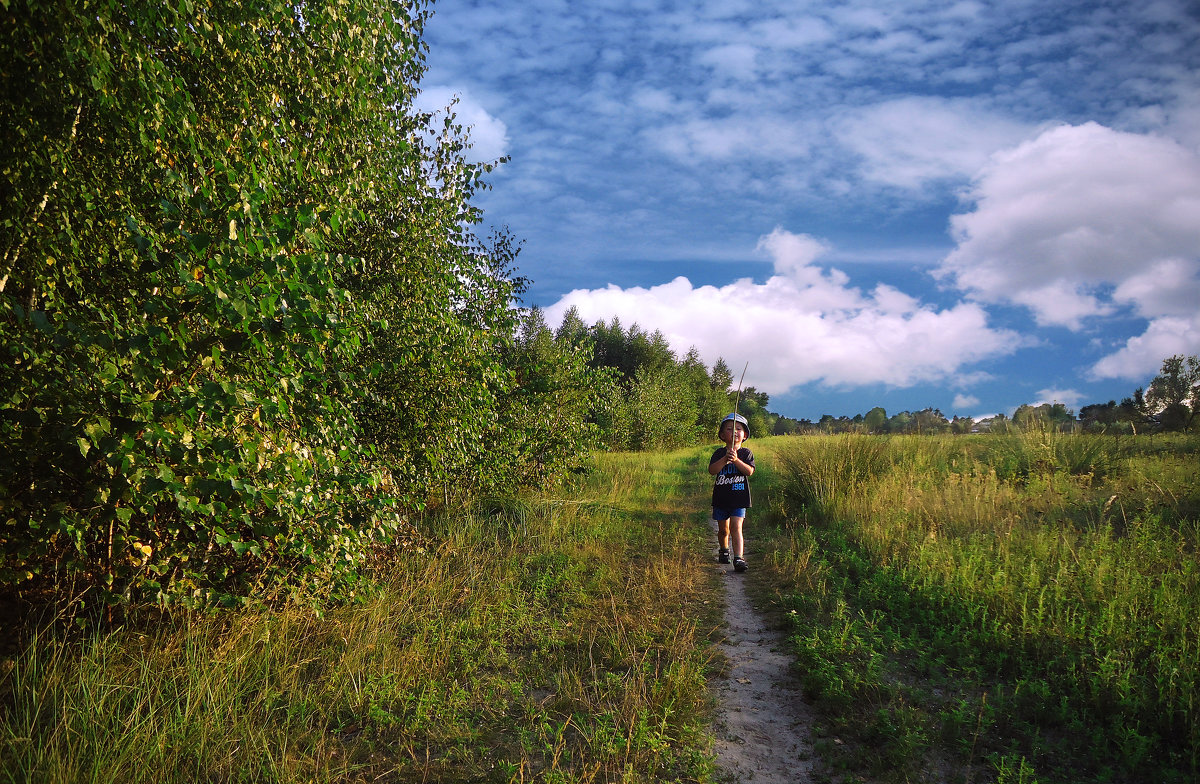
266, 303
168, 382
1173, 398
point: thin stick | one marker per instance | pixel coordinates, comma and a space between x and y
738, 402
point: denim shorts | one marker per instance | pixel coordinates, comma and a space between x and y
725, 514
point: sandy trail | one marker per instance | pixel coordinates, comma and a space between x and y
763, 724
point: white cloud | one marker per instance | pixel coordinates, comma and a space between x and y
734, 61
1068, 397
1141, 357
964, 401
488, 135
803, 324
1167, 287
657, 100
1084, 221
791, 34
792, 253
736, 137
852, 18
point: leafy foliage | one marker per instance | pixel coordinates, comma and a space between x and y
240, 298
545, 423
478, 660
1173, 399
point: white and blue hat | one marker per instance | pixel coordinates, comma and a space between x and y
741, 420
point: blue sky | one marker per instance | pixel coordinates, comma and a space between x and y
965, 205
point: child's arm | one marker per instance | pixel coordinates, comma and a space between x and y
717, 463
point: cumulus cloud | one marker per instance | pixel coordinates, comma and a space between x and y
1141, 356
1166, 287
793, 254
488, 135
1059, 219
805, 323
1084, 221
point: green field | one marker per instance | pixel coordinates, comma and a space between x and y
962, 609
1018, 608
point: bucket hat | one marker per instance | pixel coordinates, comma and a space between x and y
741, 420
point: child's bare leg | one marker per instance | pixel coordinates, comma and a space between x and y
735, 532
723, 534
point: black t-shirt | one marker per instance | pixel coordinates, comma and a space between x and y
731, 488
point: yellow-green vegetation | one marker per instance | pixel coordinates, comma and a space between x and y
997, 608
963, 609
562, 639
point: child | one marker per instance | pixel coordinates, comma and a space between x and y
732, 466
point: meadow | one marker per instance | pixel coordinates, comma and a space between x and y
1012, 608
1019, 608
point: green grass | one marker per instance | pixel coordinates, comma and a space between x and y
1015, 608
562, 639
1019, 608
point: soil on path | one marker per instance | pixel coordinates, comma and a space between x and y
763, 727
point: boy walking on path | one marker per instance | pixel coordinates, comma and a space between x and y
732, 465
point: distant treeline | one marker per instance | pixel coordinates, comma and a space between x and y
1170, 403
651, 399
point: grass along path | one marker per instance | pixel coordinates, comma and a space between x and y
968, 610
564, 639
1010, 609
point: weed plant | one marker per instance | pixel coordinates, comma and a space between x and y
560, 639
1008, 608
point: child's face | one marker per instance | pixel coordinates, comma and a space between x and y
731, 433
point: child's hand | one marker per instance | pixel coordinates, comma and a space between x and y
732, 436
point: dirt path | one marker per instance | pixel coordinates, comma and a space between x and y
763, 724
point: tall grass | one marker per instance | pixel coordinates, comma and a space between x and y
558, 639
822, 480
1033, 601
